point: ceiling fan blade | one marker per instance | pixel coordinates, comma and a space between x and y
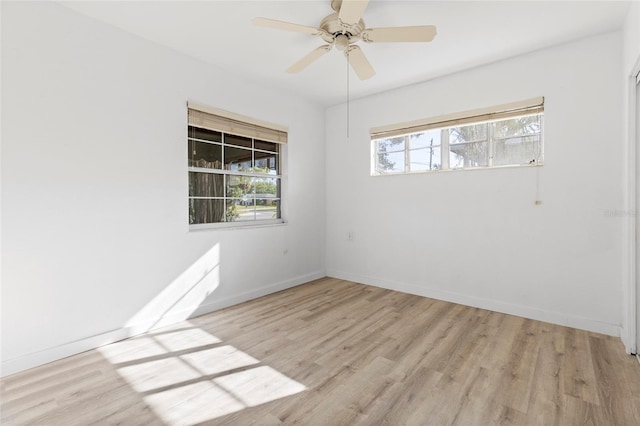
352, 10
307, 60
396, 34
287, 26
359, 62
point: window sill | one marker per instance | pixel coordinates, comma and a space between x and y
235, 226
461, 169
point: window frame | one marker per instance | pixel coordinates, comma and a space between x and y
279, 154
533, 107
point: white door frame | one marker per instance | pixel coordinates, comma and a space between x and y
633, 209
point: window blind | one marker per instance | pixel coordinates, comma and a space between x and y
236, 124
530, 106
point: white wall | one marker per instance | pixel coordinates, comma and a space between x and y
476, 237
94, 187
631, 37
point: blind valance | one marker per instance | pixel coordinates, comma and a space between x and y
236, 124
530, 106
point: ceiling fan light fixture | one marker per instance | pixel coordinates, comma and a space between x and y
342, 42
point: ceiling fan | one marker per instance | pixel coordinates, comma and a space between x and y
343, 29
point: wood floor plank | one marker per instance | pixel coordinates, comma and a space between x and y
611, 384
548, 396
517, 377
578, 411
411, 397
334, 352
579, 377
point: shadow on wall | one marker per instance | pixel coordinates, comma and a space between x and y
179, 300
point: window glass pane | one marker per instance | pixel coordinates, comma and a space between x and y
242, 187
391, 162
258, 209
267, 209
471, 133
527, 125
206, 185
206, 211
206, 134
266, 163
267, 187
391, 144
425, 159
237, 140
266, 146
469, 155
517, 150
426, 139
235, 207
237, 159
206, 155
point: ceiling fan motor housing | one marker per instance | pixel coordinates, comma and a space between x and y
334, 27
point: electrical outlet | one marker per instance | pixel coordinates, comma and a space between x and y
537, 202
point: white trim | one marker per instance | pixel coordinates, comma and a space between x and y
249, 224
458, 169
231, 173
45, 356
629, 321
492, 305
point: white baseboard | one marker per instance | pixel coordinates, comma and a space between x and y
259, 292
478, 302
64, 350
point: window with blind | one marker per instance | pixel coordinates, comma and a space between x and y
506, 135
234, 165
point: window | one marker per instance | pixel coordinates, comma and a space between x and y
508, 135
234, 170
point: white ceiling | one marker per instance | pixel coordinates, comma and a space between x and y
470, 33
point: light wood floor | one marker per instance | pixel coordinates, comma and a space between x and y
337, 353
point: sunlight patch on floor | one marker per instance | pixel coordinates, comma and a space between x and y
186, 339
131, 350
218, 360
152, 375
259, 385
193, 403
187, 376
